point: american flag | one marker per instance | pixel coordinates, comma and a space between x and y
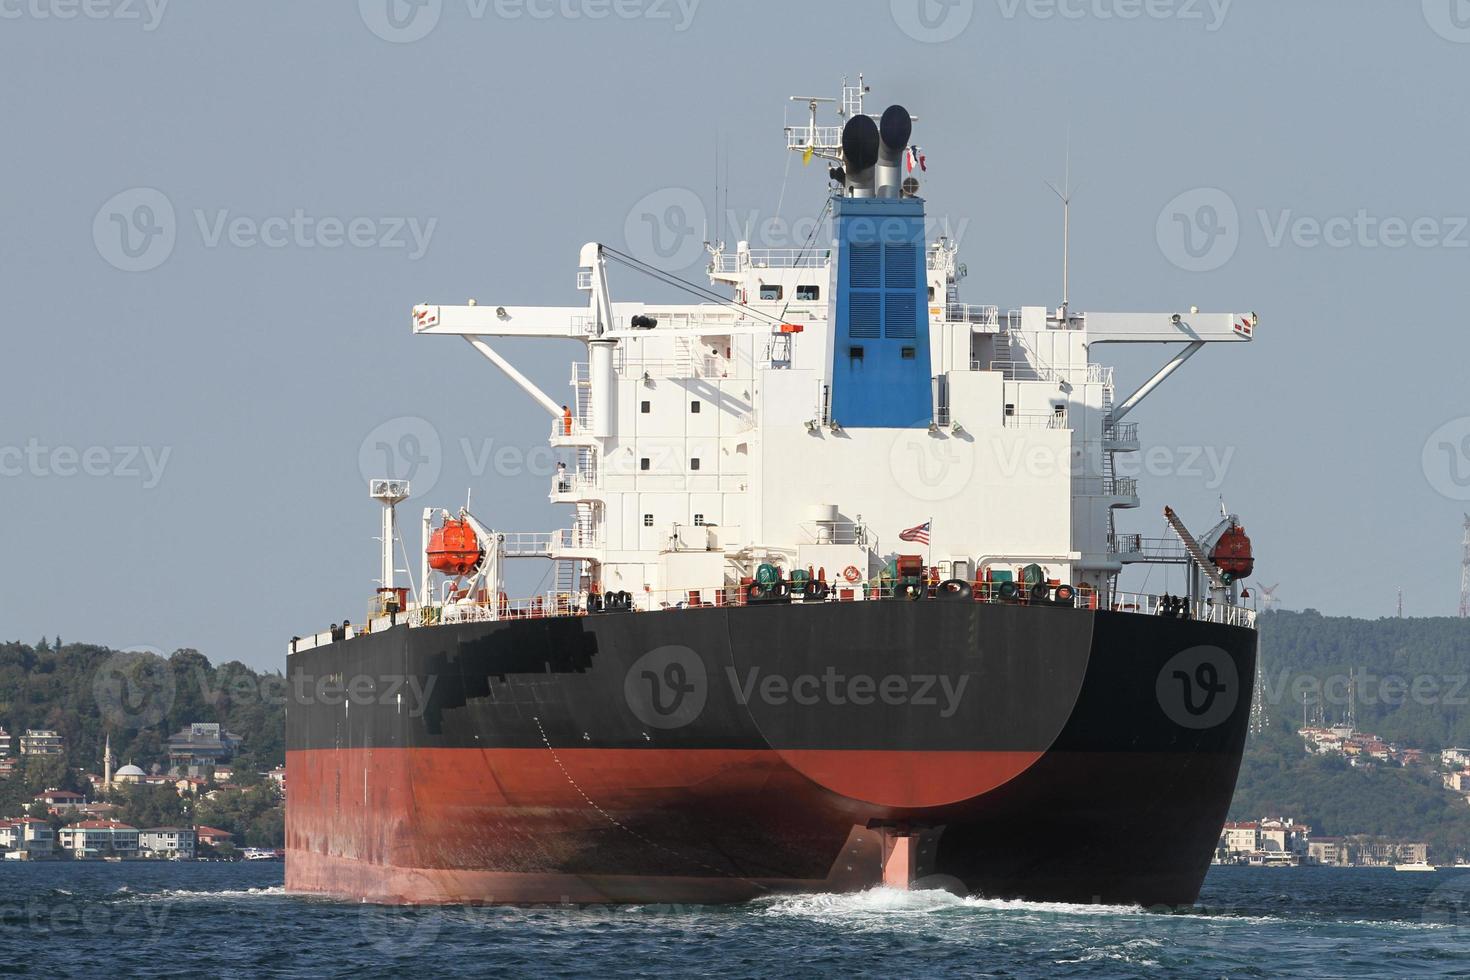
919, 534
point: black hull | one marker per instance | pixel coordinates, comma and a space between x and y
1027, 752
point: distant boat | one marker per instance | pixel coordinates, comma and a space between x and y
1415, 866
1462, 864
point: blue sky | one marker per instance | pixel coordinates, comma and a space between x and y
216, 217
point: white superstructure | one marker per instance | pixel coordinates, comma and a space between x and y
701, 440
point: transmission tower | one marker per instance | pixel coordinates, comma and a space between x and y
1465, 572
1401, 602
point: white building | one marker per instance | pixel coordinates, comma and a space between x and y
27, 837
170, 842
100, 838
41, 741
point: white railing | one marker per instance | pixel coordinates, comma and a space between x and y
1036, 420
771, 258
1106, 486
837, 532
799, 137
1205, 610
986, 316
485, 608
1126, 432
1155, 549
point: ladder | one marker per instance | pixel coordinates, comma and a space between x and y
1195, 552
568, 577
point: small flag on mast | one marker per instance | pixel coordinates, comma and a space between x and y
806, 154
919, 534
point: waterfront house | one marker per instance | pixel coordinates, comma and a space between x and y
170, 842
26, 838
100, 838
213, 836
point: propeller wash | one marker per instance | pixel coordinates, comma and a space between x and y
813, 628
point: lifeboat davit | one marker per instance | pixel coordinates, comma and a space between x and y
454, 549
1232, 553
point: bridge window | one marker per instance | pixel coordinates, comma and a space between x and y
808, 292
770, 292
699, 520
694, 464
645, 407
643, 463
694, 408
648, 520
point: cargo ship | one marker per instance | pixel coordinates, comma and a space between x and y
837, 606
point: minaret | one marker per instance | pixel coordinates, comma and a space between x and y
107, 766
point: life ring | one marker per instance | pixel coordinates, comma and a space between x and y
852, 575
955, 588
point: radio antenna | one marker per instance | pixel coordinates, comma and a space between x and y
1065, 194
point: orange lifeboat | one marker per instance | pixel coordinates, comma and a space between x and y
1232, 553
454, 549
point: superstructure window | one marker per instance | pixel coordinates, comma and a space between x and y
931, 294
907, 353
648, 520
643, 463
694, 408
694, 464
808, 292
770, 292
645, 407
699, 520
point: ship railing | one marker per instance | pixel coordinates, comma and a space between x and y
553, 604
800, 137
1120, 431
1206, 610
1122, 486
1036, 420
836, 532
1019, 370
985, 316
